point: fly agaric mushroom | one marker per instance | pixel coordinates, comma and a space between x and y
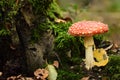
87, 29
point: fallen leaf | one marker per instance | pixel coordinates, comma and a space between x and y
56, 64
85, 78
1, 73
60, 20
19, 77
41, 74
52, 72
11, 78
101, 56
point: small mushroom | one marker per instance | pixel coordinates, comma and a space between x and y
87, 29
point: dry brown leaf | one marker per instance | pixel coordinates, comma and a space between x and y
56, 64
19, 77
68, 19
60, 20
28, 78
17, 1
1, 73
41, 74
85, 78
11, 78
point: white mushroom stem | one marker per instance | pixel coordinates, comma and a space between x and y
89, 43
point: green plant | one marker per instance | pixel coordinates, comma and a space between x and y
48, 8
38, 6
54, 10
113, 67
39, 30
63, 41
4, 32
8, 10
46, 12
69, 75
98, 39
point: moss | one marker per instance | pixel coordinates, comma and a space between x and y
38, 31
64, 44
63, 41
112, 69
46, 8
69, 75
46, 12
54, 10
98, 39
8, 10
70, 69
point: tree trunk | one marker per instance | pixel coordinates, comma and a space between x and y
34, 52
24, 26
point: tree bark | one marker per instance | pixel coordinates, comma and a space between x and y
33, 52
31, 55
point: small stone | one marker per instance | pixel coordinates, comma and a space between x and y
71, 67
99, 76
99, 70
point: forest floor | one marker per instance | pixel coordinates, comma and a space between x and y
113, 36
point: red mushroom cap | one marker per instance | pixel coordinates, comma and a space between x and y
87, 28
